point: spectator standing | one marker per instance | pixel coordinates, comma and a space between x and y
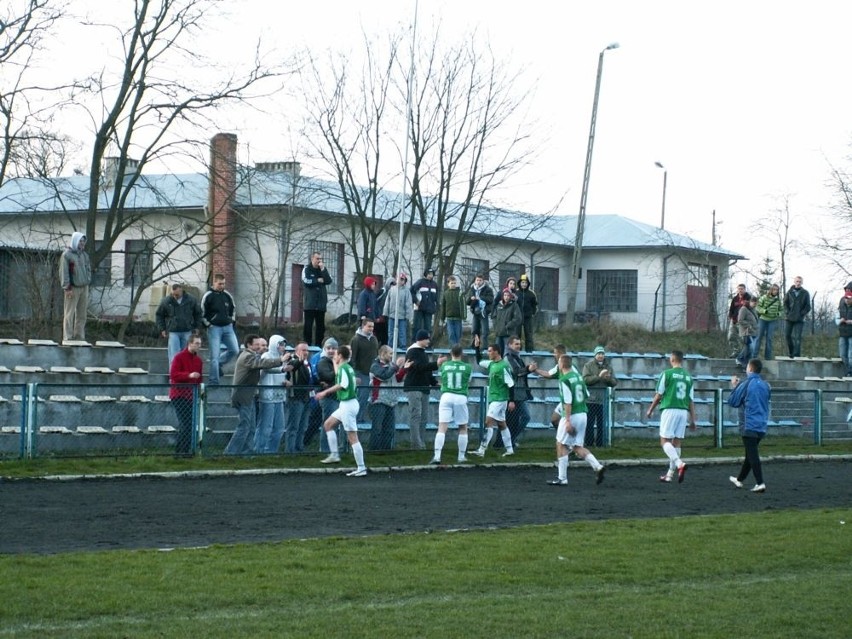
299, 399
747, 326
455, 379
518, 418
453, 310
481, 302
345, 415
75, 274
400, 310
675, 398
178, 315
797, 304
844, 329
424, 296
185, 377
528, 303
364, 348
272, 397
598, 375
219, 316
512, 285
244, 394
368, 299
506, 318
751, 396
381, 327
737, 301
500, 383
769, 308
383, 399
571, 432
418, 383
326, 378
315, 282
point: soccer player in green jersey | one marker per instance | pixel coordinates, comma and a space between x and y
500, 383
558, 351
571, 432
674, 396
455, 377
346, 413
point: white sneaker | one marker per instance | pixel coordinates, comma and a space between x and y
358, 472
508, 453
736, 482
462, 460
331, 459
667, 478
479, 452
760, 488
435, 461
558, 482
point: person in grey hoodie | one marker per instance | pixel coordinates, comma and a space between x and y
75, 274
273, 393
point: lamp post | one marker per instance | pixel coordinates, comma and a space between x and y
574, 280
665, 178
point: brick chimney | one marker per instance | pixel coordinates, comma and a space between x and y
223, 184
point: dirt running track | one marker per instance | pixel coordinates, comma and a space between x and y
38, 516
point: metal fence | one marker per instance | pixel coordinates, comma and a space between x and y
74, 420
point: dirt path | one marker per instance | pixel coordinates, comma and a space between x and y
50, 516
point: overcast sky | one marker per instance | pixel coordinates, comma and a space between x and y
742, 102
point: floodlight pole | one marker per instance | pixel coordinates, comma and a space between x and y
574, 280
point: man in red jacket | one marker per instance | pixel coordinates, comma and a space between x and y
185, 376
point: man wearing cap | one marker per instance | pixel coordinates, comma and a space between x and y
424, 296
400, 310
75, 273
597, 375
844, 328
419, 380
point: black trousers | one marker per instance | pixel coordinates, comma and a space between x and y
314, 319
594, 425
183, 410
751, 463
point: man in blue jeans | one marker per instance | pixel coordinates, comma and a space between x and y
218, 315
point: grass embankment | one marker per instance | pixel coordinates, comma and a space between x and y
779, 574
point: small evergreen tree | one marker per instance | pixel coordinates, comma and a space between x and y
767, 270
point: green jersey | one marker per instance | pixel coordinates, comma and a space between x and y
573, 391
675, 389
455, 377
346, 378
500, 380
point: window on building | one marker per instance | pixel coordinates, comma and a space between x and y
611, 291
546, 286
102, 275
507, 270
467, 268
332, 257
699, 274
138, 260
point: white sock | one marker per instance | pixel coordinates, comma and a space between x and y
439, 444
489, 433
358, 452
507, 440
562, 467
462, 445
593, 462
678, 455
671, 453
331, 435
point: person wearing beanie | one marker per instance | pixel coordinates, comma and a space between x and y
512, 285
597, 376
400, 311
424, 297
528, 303
844, 329
368, 299
506, 319
453, 310
418, 380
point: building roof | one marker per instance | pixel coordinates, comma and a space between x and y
274, 189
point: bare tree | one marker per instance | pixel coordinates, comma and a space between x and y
31, 146
778, 226
836, 247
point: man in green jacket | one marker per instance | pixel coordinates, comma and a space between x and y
769, 309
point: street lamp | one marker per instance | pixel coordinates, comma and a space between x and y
665, 178
574, 280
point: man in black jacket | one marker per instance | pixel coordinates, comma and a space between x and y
419, 380
177, 316
219, 315
299, 400
424, 294
517, 419
315, 280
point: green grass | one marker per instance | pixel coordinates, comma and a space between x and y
774, 574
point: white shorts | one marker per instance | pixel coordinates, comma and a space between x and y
453, 409
497, 411
347, 414
560, 409
578, 421
673, 423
